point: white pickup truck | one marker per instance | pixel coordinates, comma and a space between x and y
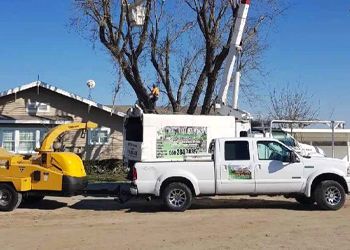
251, 166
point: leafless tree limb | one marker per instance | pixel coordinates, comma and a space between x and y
289, 103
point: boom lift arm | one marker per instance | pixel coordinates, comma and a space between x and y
232, 65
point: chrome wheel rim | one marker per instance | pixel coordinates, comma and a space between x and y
177, 197
5, 197
333, 196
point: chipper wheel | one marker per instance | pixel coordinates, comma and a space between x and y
9, 198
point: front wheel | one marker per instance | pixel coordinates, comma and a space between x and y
177, 197
329, 195
9, 198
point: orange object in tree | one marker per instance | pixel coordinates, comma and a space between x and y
155, 91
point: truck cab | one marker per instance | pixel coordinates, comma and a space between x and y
259, 166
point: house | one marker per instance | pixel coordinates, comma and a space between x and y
29, 111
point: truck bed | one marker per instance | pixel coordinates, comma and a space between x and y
152, 174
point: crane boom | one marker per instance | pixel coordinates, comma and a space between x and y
233, 54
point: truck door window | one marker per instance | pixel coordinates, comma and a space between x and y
236, 150
269, 150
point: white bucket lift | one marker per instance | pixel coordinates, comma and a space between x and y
137, 12
137, 16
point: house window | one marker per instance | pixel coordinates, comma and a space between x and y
23, 141
27, 141
40, 107
99, 136
8, 140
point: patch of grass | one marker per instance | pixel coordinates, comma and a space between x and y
105, 177
105, 171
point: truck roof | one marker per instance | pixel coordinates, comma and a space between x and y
253, 139
248, 139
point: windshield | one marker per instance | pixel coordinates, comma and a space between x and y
285, 138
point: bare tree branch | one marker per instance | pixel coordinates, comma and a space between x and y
289, 103
186, 51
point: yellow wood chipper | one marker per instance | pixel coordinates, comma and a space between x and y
29, 178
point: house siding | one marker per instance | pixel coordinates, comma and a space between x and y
68, 109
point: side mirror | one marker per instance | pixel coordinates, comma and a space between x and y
293, 157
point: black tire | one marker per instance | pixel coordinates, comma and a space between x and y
302, 199
32, 198
329, 195
177, 197
10, 199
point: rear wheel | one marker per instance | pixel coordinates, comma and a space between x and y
177, 196
302, 199
329, 195
9, 198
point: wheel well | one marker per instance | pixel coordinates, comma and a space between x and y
329, 176
10, 184
177, 179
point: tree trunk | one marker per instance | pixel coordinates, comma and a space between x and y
212, 77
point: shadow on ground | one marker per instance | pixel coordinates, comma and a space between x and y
98, 199
115, 205
252, 203
142, 206
44, 205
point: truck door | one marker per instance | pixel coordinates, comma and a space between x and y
275, 173
236, 168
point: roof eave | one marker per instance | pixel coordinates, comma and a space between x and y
62, 92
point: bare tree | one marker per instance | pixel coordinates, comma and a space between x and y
215, 19
289, 103
210, 14
191, 73
162, 54
124, 41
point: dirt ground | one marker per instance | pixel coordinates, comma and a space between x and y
217, 223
